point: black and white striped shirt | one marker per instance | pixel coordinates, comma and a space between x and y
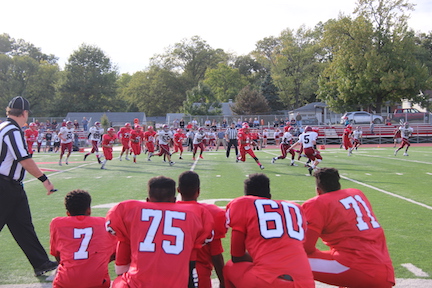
231, 133
13, 149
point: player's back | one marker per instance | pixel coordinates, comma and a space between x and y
274, 232
161, 238
84, 248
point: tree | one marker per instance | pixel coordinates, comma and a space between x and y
251, 69
191, 58
270, 93
250, 102
89, 82
225, 82
156, 92
373, 59
201, 101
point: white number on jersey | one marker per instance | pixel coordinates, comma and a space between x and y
82, 252
155, 217
353, 202
294, 225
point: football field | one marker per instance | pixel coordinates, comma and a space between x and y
398, 187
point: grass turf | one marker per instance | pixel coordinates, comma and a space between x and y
407, 224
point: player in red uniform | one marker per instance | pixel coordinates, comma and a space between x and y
136, 137
266, 240
346, 139
178, 142
344, 220
107, 144
124, 136
81, 245
210, 255
245, 142
149, 138
31, 136
286, 146
156, 236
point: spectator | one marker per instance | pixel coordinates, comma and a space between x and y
76, 124
298, 119
84, 123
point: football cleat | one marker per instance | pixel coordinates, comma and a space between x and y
99, 161
201, 157
261, 167
395, 152
293, 164
273, 160
171, 163
405, 154
46, 267
85, 157
67, 162
60, 164
310, 170
127, 158
193, 158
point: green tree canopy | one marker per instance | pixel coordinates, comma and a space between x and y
201, 101
250, 102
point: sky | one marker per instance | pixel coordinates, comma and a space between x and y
130, 32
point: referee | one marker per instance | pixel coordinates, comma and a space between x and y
14, 208
231, 136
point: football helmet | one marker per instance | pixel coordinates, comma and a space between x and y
165, 128
179, 130
127, 124
69, 124
32, 125
111, 130
97, 124
245, 125
150, 128
308, 129
137, 126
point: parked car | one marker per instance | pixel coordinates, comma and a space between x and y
409, 114
361, 117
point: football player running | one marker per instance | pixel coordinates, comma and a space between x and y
286, 146
406, 132
198, 142
95, 136
107, 144
165, 137
124, 136
66, 135
308, 140
245, 142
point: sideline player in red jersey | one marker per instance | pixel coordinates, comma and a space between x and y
136, 137
209, 255
149, 138
124, 136
266, 240
66, 135
31, 136
245, 142
156, 236
344, 220
406, 132
107, 144
198, 142
346, 139
81, 245
164, 138
286, 146
95, 136
308, 141
178, 142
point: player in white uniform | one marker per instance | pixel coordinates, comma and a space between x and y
357, 135
198, 142
308, 139
406, 132
165, 137
66, 135
95, 137
285, 146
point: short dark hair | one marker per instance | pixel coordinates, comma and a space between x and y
161, 189
257, 185
327, 179
77, 202
14, 112
188, 183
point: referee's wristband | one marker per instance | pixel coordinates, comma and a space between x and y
43, 178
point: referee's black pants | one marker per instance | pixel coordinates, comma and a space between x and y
232, 142
15, 213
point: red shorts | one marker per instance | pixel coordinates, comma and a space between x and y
150, 146
178, 147
125, 144
94, 146
65, 146
164, 149
340, 275
107, 153
136, 148
405, 142
241, 275
243, 153
30, 146
312, 154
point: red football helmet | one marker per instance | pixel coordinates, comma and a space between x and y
245, 125
127, 124
179, 130
137, 127
308, 129
150, 128
111, 130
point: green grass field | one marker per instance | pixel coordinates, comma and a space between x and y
399, 189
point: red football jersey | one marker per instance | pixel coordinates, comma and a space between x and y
84, 248
124, 133
178, 138
346, 223
161, 237
31, 135
246, 137
136, 137
149, 136
108, 139
274, 231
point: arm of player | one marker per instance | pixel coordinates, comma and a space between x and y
218, 263
30, 166
310, 242
238, 248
